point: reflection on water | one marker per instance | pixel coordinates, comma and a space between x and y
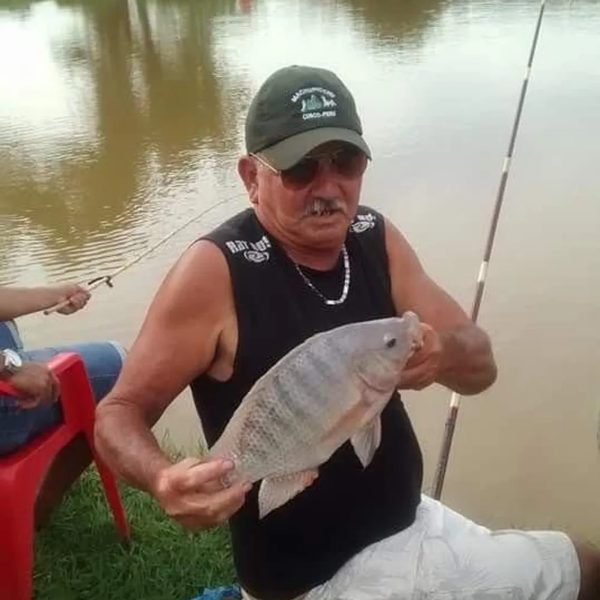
135, 110
120, 119
391, 24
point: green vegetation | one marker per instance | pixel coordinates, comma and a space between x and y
79, 556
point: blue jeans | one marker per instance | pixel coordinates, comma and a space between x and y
103, 362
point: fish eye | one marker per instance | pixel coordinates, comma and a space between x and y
389, 341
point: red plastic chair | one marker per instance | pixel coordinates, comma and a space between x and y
21, 474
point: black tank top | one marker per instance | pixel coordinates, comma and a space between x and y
304, 542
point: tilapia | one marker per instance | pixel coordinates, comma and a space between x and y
329, 389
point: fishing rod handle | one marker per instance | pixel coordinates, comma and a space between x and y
91, 285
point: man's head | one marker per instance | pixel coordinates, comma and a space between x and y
306, 155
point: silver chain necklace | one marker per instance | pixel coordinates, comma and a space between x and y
345, 289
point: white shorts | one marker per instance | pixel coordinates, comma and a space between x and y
444, 556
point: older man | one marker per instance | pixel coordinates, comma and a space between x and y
306, 257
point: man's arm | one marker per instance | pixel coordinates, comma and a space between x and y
178, 340
16, 301
456, 352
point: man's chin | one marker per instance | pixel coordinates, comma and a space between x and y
330, 234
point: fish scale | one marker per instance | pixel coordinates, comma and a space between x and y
329, 389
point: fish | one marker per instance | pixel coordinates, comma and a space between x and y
329, 389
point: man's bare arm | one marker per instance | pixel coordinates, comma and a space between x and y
177, 341
18, 301
457, 352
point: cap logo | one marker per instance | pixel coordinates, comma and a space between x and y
317, 103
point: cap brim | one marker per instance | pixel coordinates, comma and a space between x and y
288, 152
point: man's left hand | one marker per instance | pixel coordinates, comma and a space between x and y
424, 365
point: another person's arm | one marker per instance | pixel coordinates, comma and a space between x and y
18, 301
178, 340
35, 383
456, 352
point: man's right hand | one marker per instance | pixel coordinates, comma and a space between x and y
76, 295
192, 493
36, 384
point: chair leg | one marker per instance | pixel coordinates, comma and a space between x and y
16, 548
111, 490
113, 497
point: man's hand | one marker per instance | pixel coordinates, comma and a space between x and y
456, 353
423, 367
37, 384
76, 295
191, 492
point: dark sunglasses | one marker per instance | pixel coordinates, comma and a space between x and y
347, 163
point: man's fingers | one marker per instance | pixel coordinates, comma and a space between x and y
196, 474
416, 360
67, 310
76, 301
415, 377
48, 389
214, 509
53, 392
79, 300
27, 402
224, 503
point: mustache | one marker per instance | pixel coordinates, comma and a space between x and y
320, 205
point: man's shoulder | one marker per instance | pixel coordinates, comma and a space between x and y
241, 221
242, 238
201, 263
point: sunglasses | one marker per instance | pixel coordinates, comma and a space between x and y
347, 163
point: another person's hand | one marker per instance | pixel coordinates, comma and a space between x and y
423, 366
37, 384
192, 493
76, 294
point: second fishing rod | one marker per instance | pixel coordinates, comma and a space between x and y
440, 473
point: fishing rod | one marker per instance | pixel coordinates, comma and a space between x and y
440, 473
108, 279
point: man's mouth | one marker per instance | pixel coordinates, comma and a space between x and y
324, 208
323, 213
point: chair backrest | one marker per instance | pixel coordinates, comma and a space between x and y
7, 390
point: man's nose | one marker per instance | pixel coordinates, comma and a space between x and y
325, 183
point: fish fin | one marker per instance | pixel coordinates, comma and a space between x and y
367, 440
276, 491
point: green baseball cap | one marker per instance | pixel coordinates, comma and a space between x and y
297, 109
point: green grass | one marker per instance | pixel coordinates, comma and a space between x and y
78, 556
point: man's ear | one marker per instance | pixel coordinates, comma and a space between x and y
248, 171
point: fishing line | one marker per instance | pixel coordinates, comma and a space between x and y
108, 279
440, 472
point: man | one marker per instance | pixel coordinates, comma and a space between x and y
36, 409
306, 258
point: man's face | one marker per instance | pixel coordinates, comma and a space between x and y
313, 203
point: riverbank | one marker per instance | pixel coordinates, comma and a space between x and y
78, 555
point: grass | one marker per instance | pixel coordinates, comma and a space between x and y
79, 557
